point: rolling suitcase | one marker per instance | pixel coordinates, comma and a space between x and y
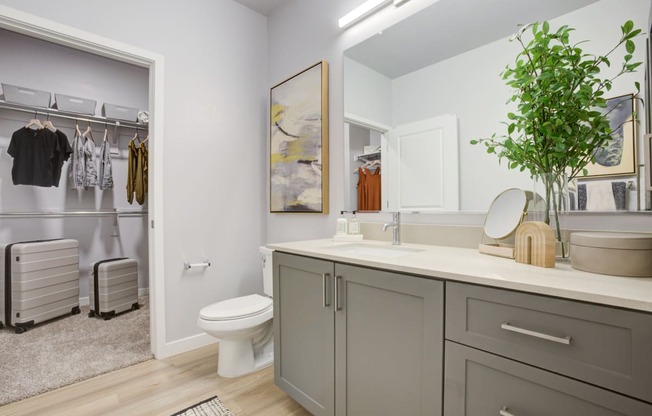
39, 281
113, 287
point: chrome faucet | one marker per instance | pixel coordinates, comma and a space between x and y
396, 222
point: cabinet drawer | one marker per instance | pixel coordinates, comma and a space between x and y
605, 346
482, 384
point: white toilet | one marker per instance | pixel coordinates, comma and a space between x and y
244, 327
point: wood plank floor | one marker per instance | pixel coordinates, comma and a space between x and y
163, 387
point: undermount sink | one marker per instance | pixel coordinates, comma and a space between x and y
374, 250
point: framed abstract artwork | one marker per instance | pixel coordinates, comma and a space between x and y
299, 142
618, 156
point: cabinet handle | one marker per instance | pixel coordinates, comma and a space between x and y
504, 412
565, 340
338, 307
324, 289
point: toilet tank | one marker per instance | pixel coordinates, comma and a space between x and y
268, 270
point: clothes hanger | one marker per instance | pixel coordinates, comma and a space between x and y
48, 124
146, 138
106, 133
79, 133
89, 133
34, 122
136, 136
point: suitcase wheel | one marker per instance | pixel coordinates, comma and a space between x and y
135, 307
107, 317
19, 329
75, 310
1, 325
91, 314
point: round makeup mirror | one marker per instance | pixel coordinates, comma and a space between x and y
505, 213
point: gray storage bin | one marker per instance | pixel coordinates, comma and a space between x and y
74, 104
119, 112
26, 96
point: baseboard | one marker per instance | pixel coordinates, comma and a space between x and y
186, 344
86, 300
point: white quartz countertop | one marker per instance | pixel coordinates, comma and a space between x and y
468, 265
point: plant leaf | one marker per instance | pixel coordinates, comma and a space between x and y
629, 46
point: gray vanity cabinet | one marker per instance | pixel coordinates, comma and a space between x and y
356, 341
510, 353
388, 343
483, 384
304, 332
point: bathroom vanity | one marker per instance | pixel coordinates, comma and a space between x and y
370, 328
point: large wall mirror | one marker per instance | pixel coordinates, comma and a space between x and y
445, 61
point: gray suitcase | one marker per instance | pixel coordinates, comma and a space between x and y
39, 281
116, 281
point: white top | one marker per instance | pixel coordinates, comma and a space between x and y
236, 308
468, 265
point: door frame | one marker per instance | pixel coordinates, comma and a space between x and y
48, 30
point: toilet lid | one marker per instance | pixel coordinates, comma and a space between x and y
236, 308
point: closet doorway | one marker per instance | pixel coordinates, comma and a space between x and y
40, 29
365, 144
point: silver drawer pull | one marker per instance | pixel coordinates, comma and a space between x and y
324, 289
565, 340
504, 412
338, 307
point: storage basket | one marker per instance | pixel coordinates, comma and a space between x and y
74, 104
119, 112
26, 96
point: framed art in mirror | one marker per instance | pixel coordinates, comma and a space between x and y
299, 142
618, 156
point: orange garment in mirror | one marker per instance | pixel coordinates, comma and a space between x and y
369, 190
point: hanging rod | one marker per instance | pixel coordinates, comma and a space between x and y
52, 112
59, 214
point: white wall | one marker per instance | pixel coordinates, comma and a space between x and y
34, 63
367, 93
215, 116
306, 31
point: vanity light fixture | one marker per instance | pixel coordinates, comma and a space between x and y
361, 12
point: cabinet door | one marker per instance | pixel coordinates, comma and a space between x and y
483, 384
389, 331
304, 331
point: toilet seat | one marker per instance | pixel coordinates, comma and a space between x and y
236, 308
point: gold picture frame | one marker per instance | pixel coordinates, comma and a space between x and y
299, 142
618, 157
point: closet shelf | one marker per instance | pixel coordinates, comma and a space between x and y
90, 213
368, 156
53, 112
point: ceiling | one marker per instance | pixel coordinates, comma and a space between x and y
265, 7
450, 27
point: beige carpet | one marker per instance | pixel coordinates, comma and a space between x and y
70, 349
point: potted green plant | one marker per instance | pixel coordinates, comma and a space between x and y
560, 121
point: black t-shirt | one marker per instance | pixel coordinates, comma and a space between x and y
63, 153
35, 154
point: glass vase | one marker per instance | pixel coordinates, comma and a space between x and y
550, 203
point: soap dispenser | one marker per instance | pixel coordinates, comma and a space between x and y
354, 225
342, 225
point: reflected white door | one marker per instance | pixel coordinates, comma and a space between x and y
421, 166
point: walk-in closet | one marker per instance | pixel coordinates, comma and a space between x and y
107, 214
363, 156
